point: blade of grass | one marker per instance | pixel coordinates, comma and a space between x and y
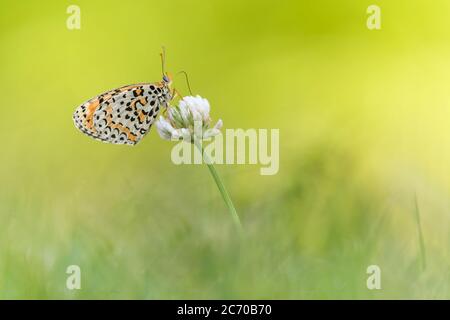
420, 234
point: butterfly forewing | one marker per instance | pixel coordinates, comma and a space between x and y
123, 115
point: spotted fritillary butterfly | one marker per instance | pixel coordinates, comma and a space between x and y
123, 115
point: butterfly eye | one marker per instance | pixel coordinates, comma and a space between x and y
166, 79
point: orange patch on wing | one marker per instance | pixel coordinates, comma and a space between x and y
143, 101
92, 106
90, 109
141, 116
119, 126
132, 137
126, 88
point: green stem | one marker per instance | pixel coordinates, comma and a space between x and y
223, 191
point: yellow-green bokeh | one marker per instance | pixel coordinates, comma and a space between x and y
364, 127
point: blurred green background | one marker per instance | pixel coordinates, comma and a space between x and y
364, 127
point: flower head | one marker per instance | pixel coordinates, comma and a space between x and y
189, 120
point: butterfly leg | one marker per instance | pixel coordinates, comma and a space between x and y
176, 93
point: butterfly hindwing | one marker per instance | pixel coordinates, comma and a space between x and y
120, 116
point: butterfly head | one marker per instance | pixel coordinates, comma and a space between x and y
167, 79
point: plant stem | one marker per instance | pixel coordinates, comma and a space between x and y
223, 191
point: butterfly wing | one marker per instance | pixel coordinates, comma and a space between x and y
120, 116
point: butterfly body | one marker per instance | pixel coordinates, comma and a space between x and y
123, 115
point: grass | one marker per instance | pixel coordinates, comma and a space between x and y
298, 243
423, 260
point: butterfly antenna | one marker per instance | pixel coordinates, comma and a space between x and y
187, 80
163, 59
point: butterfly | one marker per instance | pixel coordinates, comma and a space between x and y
126, 114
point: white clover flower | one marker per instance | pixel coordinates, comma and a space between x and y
189, 120
164, 128
198, 106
